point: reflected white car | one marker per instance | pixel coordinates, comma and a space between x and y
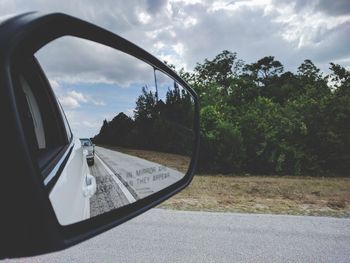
89, 150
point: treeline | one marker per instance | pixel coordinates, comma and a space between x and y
255, 118
158, 125
259, 119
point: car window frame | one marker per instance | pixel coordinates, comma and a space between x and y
65, 121
55, 158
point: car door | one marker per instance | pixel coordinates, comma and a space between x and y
71, 194
59, 154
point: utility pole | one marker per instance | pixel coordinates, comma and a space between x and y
155, 82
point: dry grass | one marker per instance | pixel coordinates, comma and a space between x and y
321, 196
262, 194
176, 161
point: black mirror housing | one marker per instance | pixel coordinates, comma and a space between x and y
28, 223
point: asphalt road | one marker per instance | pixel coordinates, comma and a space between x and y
122, 179
140, 176
108, 194
178, 236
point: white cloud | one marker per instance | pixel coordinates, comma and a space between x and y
83, 124
55, 85
179, 48
74, 60
73, 99
130, 113
190, 21
159, 45
306, 28
98, 103
144, 18
80, 97
235, 5
69, 102
89, 124
289, 30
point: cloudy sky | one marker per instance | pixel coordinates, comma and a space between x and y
184, 32
188, 31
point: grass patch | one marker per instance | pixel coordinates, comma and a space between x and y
326, 196
176, 161
293, 195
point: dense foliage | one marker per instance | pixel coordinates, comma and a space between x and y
164, 126
255, 118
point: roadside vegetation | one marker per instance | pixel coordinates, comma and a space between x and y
317, 196
260, 119
255, 118
289, 131
175, 161
293, 195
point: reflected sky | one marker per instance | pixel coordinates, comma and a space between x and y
96, 87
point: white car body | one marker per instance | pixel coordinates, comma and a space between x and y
70, 197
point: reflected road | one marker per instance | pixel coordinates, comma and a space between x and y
140, 176
108, 194
122, 179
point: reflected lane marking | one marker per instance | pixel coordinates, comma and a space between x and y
122, 187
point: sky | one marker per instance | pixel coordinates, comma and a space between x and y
94, 82
182, 32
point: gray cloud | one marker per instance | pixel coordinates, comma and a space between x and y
185, 32
73, 60
246, 27
333, 45
254, 33
155, 6
338, 7
332, 8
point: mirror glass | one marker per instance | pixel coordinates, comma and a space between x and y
129, 128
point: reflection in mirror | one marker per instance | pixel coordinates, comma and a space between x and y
132, 128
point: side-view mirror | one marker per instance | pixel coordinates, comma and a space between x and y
98, 131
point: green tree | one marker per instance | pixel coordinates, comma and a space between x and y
264, 70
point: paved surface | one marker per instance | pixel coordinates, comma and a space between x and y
141, 177
178, 236
108, 194
122, 179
